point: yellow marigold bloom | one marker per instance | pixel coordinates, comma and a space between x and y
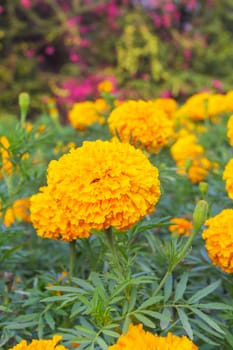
141, 123
229, 101
5, 155
199, 169
168, 105
96, 186
195, 107
181, 226
219, 239
228, 177
216, 104
84, 114
137, 338
51, 344
18, 212
105, 86
230, 129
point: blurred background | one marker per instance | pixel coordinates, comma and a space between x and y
146, 49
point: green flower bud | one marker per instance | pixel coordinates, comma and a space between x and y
203, 187
24, 101
200, 215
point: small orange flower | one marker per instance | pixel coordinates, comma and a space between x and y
181, 226
5, 156
18, 212
51, 344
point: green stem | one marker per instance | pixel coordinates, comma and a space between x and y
112, 245
72, 258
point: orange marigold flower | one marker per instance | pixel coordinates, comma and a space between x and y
18, 212
228, 177
219, 239
137, 338
96, 186
199, 169
195, 107
84, 114
168, 105
51, 344
141, 123
230, 129
105, 86
5, 155
229, 101
181, 226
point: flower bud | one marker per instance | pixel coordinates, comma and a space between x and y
203, 187
200, 215
24, 101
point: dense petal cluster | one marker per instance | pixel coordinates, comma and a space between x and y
18, 212
5, 156
137, 339
181, 226
96, 186
228, 177
168, 105
219, 239
51, 344
203, 105
189, 157
142, 124
84, 114
230, 129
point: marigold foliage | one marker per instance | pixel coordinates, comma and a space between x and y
96, 186
51, 344
84, 114
142, 124
137, 339
228, 177
219, 239
181, 226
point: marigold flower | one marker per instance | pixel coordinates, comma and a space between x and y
137, 338
219, 239
141, 123
5, 155
105, 86
195, 107
84, 114
18, 212
230, 129
229, 101
96, 186
168, 105
228, 177
51, 344
181, 226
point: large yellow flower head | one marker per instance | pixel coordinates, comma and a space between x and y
141, 123
230, 129
51, 344
228, 177
96, 186
138, 339
219, 239
84, 114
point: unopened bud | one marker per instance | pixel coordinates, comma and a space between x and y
200, 215
24, 101
203, 187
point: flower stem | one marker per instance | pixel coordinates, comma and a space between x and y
72, 258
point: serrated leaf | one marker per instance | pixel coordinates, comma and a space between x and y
181, 286
204, 292
168, 288
120, 288
208, 320
151, 301
20, 325
66, 289
185, 322
166, 318
206, 339
49, 319
102, 343
145, 320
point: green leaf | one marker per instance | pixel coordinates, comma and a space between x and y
102, 343
126, 324
206, 339
21, 325
40, 328
120, 288
145, 320
204, 292
155, 314
133, 298
185, 322
49, 319
164, 323
85, 330
66, 289
84, 284
207, 319
110, 333
181, 286
151, 301
229, 338
168, 288
216, 306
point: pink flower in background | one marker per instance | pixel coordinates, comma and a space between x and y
26, 4
74, 57
217, 84
170, 7
1, 9
29, 53
166, 94
187, 54
50, 50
